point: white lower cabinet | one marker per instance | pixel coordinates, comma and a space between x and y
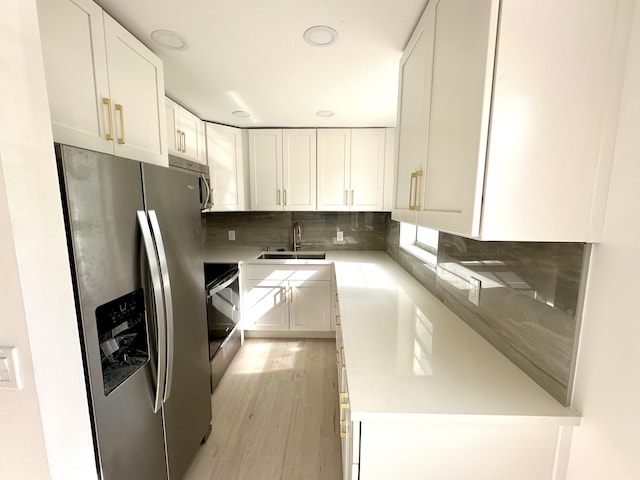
349, 431
287, 298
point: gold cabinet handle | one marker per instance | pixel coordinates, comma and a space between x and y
278, 196
121, 138
411, 206
338, 321
184, 142
346, 197
178, 140
344, 424
285, 196
291, 294
416, 205
107, 102
352, 197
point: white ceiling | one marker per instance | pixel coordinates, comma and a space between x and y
250, 55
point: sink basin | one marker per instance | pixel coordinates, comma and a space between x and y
292, 256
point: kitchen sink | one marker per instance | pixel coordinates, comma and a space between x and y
289, 255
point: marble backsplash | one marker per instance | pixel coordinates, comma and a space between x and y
361, 230
529, 301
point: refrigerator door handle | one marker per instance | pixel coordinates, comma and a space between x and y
208, 189
168, 302
159, 307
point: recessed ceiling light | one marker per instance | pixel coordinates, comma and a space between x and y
241, 113
320, 36
325, 113
169, 39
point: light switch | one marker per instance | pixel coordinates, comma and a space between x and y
232, 235
9, 375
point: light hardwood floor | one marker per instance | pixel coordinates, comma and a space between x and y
275, 415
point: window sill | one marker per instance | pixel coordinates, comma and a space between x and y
429, 258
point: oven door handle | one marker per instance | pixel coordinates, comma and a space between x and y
222, 286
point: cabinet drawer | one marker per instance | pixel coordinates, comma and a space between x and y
282, 272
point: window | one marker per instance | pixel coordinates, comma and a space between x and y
421, 242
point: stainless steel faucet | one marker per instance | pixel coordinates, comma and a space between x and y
297, 236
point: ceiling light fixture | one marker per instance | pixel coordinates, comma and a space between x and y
320, 36
325, 113
169, 39
241, 113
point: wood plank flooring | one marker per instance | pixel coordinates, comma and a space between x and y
275, 415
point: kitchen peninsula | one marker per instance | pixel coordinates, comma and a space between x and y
421, 393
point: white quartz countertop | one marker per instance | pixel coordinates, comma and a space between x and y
409, 357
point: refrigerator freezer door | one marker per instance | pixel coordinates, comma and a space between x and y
102, 194
174, 196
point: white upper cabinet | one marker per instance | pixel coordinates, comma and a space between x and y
351, 169
506, 134
105, 88
334, 157
226, 159
186, 133
283, 169
413, 116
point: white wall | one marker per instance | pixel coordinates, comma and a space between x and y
607, 384
45, 430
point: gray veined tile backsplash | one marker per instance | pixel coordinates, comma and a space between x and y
531, 292
361, 230
529, 303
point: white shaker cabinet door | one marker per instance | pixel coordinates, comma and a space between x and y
309, 306
192, 139
299, 169
226, 167
465, 38
367, 169
266, 306
171, 109
75, 62
334, 157
265, 154
136, 80
413, 116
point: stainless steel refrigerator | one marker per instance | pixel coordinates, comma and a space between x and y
134, 241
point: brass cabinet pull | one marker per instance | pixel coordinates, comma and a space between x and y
416, 205
285, 196
413, 175
352, 196
107, 102
121, 138
283, 292
178, 140
278, 196
346, 197
344, 424
184, 142
291, 294
338, 322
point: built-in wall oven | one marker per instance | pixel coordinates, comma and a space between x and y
223, 316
